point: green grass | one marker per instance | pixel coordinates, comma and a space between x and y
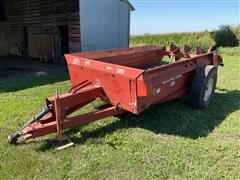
170, 140
230, 51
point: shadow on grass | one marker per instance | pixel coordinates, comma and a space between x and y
29, 82
172, 118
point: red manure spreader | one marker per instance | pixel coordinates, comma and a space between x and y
129, 80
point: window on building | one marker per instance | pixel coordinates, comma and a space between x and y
2, 10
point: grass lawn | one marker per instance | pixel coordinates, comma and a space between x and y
170, 140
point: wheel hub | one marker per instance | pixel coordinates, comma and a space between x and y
209, 88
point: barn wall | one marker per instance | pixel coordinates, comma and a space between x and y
4, 38
74, 26
104, 24
42, 19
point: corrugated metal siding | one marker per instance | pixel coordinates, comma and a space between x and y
124, 15
104, 24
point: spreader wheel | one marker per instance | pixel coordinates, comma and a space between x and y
203, 86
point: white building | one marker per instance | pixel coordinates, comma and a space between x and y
104, 24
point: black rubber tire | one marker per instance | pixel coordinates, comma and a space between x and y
199, 85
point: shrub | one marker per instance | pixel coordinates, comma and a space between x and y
225, 37
236, 31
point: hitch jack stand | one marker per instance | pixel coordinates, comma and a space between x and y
61, 141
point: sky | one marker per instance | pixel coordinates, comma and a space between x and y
164, 16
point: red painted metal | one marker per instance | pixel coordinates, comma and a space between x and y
129, 79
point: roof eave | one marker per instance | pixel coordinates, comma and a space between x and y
129, 5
